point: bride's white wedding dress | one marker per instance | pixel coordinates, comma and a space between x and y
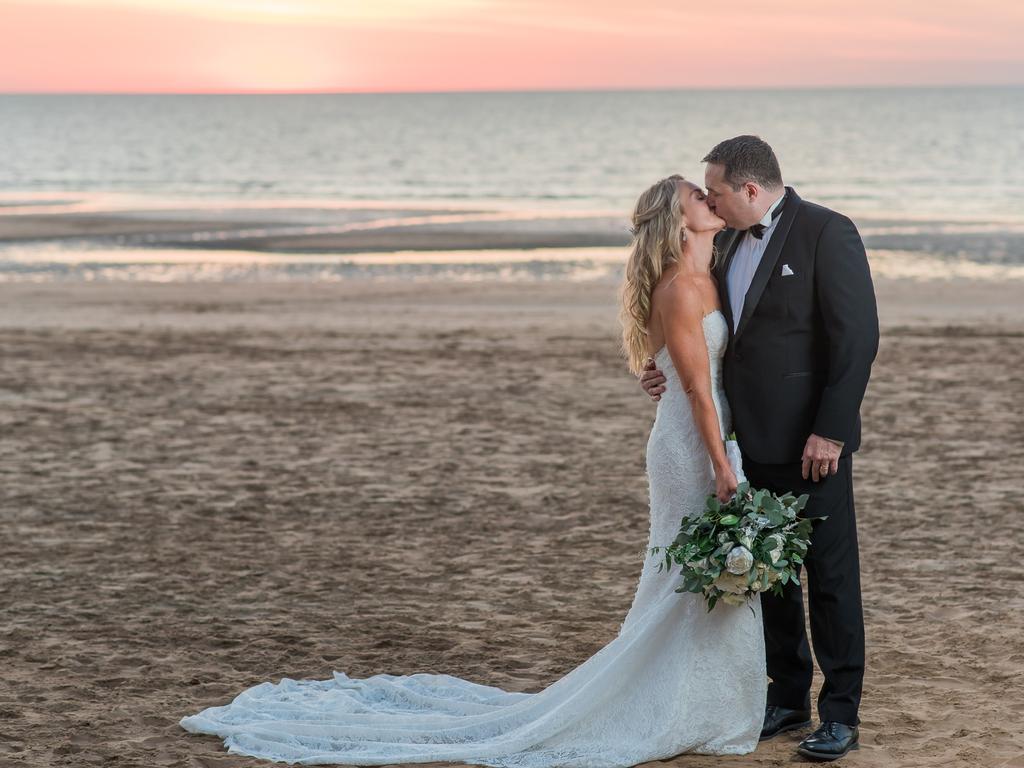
675, 679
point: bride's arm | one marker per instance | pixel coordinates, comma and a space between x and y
682, 317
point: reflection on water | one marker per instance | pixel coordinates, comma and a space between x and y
46, 264
918, 266
56, 264
103, 236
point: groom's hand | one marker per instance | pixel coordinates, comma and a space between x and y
821, 458
652, 380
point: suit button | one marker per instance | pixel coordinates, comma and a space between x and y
738, 356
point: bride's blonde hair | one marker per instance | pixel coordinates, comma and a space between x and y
657, 244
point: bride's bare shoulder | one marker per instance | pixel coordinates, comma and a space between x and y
679, 294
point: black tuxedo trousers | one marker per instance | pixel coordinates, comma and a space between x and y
798, 363
831, 577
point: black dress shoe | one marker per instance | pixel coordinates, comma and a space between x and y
830, 742
779, 719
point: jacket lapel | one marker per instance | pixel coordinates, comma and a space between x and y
770, 257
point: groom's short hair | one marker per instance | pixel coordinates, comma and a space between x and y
746, 158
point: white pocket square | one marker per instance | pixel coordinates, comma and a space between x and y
786, 271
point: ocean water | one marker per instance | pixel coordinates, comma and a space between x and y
930, 171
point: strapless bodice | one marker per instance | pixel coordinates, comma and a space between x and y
716, 336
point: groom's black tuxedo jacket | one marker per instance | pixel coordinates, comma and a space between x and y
799, 361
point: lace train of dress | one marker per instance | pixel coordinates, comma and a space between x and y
675, 679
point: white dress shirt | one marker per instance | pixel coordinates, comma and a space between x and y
746, 260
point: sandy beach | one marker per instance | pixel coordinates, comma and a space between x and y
206, 486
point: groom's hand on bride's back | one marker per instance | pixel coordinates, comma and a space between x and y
652, 380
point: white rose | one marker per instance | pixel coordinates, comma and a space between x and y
739, 560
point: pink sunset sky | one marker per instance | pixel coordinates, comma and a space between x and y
437, 45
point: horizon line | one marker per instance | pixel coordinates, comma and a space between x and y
595, 89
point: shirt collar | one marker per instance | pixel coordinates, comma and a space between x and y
766, 220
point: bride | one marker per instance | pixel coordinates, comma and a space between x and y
675, 679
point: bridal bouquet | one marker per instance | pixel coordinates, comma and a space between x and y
752, 543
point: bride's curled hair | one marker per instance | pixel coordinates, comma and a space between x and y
657, 243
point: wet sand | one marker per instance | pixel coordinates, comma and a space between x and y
299, 230
208, 486
286, 227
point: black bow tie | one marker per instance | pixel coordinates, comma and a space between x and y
758, 229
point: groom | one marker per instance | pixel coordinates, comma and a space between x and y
795, 287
